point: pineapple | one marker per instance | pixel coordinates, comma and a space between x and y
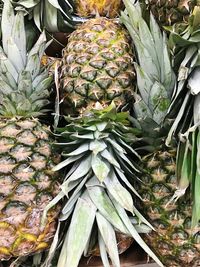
85, 8
169, 12
26, 156
168, 202
97, 65
99, 209
96, 82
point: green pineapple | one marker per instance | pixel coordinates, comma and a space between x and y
97, 65
96, 81
168, 201
171, 12
26, 157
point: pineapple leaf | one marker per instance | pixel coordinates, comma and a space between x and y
101, 126
97, 146
194, 81
52, 249
125, 180
37, 15
134, 11
196, 205
103, 251
125, 161
168, 78
159, 101
35, 55
25, 82
178, 119
51, 16
119, 193
128, 147
81, 149
158, 41
109, 238
134, 233
141, 109
8, 22
8, 79
28, 3
51, 204
66, 162
76, 136
100, 167
104, 205
7, 66
144, 83
82, 169
14, 55
19, 35
110, 158
150, 51
116, 145
69, 206
196, 182
74, 196
78, 233
196, 109
4, 87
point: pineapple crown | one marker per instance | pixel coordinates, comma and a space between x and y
50, 15
187, 99
155, 77
100, 162
23, 83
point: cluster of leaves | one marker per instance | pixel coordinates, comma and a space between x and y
98, 187
52, 15
186, 100
155, 78
23, 84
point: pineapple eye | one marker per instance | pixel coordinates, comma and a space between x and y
179, 235
7, 164
196, 238
7, 183
43, 199
24, 172
27, 138
25, 192
15, 212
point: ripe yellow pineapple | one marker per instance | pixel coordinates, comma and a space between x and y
27, 182
97, 65
104, 8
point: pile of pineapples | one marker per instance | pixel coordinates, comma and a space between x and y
99, 148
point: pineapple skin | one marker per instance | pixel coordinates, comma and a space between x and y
169, 12
88, 8
27, 185
97, 66
174, 241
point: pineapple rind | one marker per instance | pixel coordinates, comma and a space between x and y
88, 8
174, 241
170, 12
27, 185
97, 65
